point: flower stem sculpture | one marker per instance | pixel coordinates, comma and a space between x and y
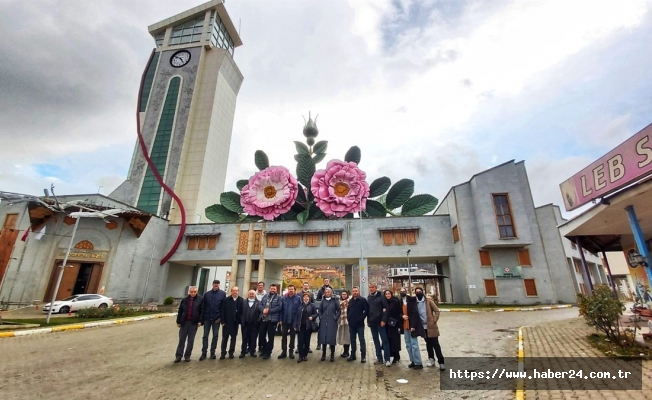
337, 191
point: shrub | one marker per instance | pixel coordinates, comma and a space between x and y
168, 301
93, 312
603, 310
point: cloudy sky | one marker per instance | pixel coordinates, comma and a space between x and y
435, 91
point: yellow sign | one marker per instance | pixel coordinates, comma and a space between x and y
83, 254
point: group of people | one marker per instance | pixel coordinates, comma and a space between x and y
336, 322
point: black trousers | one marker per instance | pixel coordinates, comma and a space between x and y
432, 343
249, 336
187, 333
262, 335
287, 329
229, 332
268, 328
304, 342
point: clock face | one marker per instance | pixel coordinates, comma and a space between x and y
180, 58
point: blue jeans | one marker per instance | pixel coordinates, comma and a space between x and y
412, 347
208, 325
379, 334
359, 332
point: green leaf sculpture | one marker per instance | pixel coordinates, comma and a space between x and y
375, 209
318, 157
250, 218
303, 216
231, 200
305, 169
320, 147
379, 186
353, 155
220, 214
261, 159
419, 205
301, 148
242, 183
400, 193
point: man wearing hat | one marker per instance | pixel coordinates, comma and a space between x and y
212, 315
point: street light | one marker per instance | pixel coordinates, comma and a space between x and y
63, 266
409, 273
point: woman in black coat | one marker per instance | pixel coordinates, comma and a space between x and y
304, 324
393, 332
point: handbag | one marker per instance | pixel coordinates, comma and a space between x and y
393, 322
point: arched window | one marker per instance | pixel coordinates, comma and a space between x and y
85, 244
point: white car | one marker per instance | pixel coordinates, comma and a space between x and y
78, 302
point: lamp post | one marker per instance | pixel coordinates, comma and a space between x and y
409, 273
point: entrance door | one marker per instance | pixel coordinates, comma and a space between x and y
68, 281
8, 237
83, 276
203, 277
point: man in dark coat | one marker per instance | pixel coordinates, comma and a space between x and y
189, 318
329, 317
378, 316
291, 303
270, 308
356, 313
249, 321
212, 310
306, 289
231, 316
322, 290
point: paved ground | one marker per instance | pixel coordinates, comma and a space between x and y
565, 338
135, 361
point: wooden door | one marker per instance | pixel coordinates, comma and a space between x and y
8, 237
94, 281
67, 281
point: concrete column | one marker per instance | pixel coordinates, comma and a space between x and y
364, 277
261, 263
348, 276
250, 246
585, 268
234, 261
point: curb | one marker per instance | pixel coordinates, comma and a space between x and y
73, 327
507, 309
520, 390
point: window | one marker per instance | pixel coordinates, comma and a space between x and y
387, 238
485, 258
411, 237
218, 36
202, 242
490, 287
150, 191
456, 234
524, 257
189, 32
292, 240
255, 264
312, 240
578, 266
530, 287
273, 240
333, 239
583, 289
159, 39
398, 238
503, 216
573, 245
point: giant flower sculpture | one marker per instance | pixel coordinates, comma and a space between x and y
340, 189
269, 193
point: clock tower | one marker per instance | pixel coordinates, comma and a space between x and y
186, 110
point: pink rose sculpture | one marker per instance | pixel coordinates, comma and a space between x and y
340, 189
270, 193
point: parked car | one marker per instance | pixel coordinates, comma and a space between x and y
78, 302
